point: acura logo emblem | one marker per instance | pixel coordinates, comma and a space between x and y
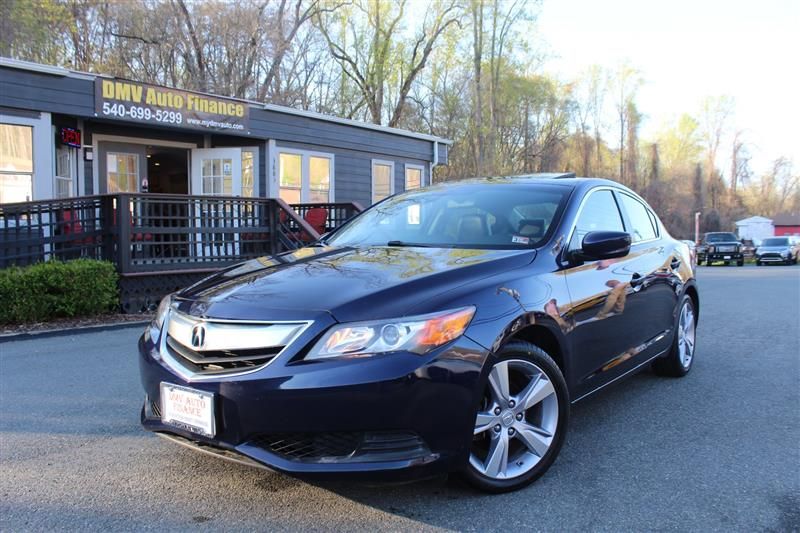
198, 336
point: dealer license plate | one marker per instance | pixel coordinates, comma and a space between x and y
727, 257
189, 409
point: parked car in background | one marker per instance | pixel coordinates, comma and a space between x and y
446, 329
777, 250
720, 246
748, 248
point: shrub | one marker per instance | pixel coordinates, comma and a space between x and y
57, 289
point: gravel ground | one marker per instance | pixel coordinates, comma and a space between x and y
717, 450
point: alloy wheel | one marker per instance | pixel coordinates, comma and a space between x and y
686, 335
517, 421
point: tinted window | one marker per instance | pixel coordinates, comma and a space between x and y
641, 225
775, 242
599, 213
459, 216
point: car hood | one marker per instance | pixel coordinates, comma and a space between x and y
724, 243
782, 248
348, 283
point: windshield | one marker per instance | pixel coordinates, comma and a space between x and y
459, 216
775, 242
721, 237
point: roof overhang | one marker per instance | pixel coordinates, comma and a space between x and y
60, 71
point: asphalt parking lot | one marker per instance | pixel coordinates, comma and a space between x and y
718, 450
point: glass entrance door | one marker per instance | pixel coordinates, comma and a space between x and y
217, 171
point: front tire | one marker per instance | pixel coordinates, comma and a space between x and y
521, 421
740, 262
679, 361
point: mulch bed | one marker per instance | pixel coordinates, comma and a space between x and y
72, 323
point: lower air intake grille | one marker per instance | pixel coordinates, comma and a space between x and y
344, 447
301, 446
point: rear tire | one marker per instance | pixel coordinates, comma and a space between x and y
521, 422
679, 361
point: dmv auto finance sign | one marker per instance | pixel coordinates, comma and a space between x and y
139, 102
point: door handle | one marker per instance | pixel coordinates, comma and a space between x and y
675, 264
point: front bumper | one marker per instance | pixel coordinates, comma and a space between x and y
773, 258
724, 256
396, 416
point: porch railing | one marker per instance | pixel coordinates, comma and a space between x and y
336, 213
148, 233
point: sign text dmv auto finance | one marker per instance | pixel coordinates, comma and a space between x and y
139, 102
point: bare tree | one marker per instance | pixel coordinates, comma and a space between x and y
377, 51
627, 82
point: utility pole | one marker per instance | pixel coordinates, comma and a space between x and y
697, 228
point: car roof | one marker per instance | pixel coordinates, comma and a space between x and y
553, 178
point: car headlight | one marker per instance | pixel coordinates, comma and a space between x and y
711, 249
417, 334
161, 313
786, 253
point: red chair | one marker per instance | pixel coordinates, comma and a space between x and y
71, 225
136, 237
317, 218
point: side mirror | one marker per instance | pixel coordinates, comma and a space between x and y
604, 245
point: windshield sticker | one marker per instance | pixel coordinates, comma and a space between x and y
519, 239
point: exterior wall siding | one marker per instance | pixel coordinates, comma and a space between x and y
37, 91
30, 92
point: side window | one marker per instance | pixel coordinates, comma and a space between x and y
599, 213
641, 223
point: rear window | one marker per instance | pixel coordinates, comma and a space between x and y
641, 223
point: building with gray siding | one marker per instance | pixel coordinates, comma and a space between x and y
65, 134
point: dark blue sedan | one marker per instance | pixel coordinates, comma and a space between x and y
442, 330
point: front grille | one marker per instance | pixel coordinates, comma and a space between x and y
221, 360
343, 446
196, 345
726, 248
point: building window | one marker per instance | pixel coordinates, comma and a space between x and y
248, 174
291, 177
66, 161
123, 172
16, 163
217, 177
414, 177
382, 182
305, 177
319, 179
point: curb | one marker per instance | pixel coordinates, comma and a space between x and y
46, 333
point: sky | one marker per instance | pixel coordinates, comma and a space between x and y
688, 50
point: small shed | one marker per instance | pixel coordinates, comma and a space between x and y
755, 228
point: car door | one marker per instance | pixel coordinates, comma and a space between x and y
605, 300
655, 261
